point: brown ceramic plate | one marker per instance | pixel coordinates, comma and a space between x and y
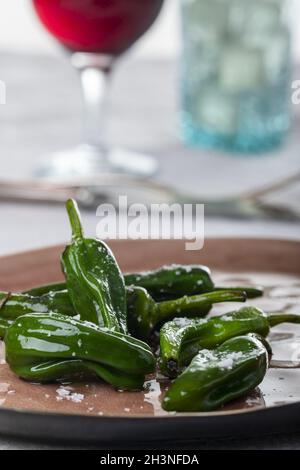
96, 412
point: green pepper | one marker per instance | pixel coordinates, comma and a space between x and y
174, 281
219, 376
144, 314
94, 281
168, 283
53, 347
4, 325
46, 289
182, 338
13, 305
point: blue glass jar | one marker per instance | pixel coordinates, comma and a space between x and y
236, 66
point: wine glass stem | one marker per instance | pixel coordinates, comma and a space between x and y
94, 71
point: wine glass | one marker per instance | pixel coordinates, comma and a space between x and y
96, 33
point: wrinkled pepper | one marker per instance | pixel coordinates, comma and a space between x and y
182, 338
4, 325
216, 377
144, 314
46, 289
46, 348
167, 283
94, 281
13, 305
174, 281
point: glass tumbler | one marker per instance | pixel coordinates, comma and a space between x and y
236, 66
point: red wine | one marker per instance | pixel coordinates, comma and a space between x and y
102, 26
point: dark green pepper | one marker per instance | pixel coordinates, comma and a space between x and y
4, 325
182, 338
94, 281
174, 281
167, 283
13, 305
46, 289
144, 314
219, 376
46, 348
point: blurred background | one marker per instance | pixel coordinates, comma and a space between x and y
162, 106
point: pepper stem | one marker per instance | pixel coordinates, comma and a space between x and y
252, 292
4, 296
278, 318
196, 303
75, 220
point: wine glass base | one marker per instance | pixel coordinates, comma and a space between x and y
85, 162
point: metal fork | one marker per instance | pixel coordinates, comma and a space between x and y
90, 193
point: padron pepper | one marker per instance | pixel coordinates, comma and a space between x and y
13, 305
218, 376
144, 314
94, 281
167, 283
174, 281
46, 289
53, 347
182, 338
4, 325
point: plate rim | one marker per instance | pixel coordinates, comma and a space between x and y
42, 417
142, 241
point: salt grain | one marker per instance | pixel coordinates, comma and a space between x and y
65, 394
76, 397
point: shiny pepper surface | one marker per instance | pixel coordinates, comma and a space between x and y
182, 338
53, 347
144, 314
174, 281
94, 281
216, 377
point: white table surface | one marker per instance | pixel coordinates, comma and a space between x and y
42, 115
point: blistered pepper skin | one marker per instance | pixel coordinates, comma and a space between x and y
182, 339
4, 325
168, 283
175, 281
217, 377
172, 281
144, 314
13, 305
46, 288
94, 281
43, 348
